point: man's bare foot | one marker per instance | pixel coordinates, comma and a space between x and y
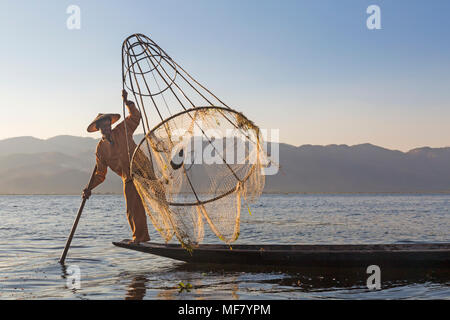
137, 241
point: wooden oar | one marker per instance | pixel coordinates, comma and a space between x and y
74, 226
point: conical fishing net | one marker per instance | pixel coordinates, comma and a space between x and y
198, 166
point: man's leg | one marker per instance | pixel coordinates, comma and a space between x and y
136, 213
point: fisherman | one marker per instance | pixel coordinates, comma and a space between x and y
112, 152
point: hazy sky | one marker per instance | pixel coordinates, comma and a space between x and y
310, 68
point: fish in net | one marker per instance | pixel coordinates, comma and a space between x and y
201, 162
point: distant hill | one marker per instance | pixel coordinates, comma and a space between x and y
62, 165
360, 168
67, 144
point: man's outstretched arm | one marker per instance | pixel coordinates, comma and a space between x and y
99, 177
134, 117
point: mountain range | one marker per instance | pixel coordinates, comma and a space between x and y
63, 164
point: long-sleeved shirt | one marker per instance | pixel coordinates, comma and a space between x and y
114, 154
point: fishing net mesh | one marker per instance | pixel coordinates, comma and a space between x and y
198, 168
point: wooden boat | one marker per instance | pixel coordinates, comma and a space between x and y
356, 255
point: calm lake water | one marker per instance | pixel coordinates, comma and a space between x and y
33, 231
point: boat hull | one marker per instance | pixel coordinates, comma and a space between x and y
383, 255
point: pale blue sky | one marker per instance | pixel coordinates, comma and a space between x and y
310, 68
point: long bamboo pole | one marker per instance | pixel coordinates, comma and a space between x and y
74, 226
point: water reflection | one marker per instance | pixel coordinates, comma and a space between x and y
282, 279
250, 282
136, 290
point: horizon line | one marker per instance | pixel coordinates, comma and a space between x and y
297, 146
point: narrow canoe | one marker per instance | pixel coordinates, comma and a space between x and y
356, 255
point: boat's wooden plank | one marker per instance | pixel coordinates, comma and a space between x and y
307, 247
413, 255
